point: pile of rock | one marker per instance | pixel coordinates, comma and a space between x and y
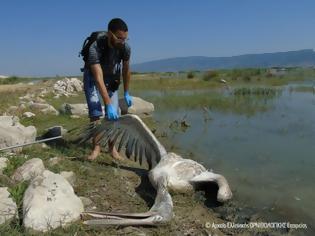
68, 86
34, 103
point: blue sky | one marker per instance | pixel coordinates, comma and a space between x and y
43, 38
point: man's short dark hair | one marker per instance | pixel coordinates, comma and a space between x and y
117, 24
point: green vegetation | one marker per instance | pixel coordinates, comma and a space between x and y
212, 100
210, 75
190, 75
303, 89
42, 122
7, 99
16, 79
213, 78
17, 192
11, 80
171, 84
15, 161
256, 91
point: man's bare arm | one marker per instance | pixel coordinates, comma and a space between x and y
97, 72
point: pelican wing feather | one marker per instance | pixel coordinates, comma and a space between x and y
128, 132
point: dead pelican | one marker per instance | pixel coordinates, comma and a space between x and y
168, 171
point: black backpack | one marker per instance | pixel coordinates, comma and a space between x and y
88, 41
99, 36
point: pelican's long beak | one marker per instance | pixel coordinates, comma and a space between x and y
126, 219
161, 212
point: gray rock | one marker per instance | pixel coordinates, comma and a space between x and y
43, 92
86, 202
57, 96
79, 109
13, 133
8, 208
28, 114
139, 107
39, 100
22, 106
54, 161
50, 110
49, 202
45, 146
38, 106
43, 108
29, 170
27, 97
3, 164
12, 109
69, 176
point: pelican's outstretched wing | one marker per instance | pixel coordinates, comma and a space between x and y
131, 133
81, 134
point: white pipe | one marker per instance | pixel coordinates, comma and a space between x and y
25, 144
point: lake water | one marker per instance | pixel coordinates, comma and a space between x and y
268, 157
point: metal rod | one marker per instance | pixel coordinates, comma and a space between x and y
26, 144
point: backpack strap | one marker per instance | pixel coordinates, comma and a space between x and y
88, 41
83, 46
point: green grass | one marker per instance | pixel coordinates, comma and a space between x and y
213, 100
256, 91
13, 163
42, 122
172, 84
17, 192
304, 89
211, 75
8, 98
211, 79
17, 79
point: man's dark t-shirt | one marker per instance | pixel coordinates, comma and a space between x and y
109, 58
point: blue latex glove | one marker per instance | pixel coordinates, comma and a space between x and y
111, 112
128, 99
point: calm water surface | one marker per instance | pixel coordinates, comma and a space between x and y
268, 158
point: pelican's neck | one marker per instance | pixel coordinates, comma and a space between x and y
162, 150
155, 140
163, 203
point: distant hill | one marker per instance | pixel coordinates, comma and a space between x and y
301, 58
